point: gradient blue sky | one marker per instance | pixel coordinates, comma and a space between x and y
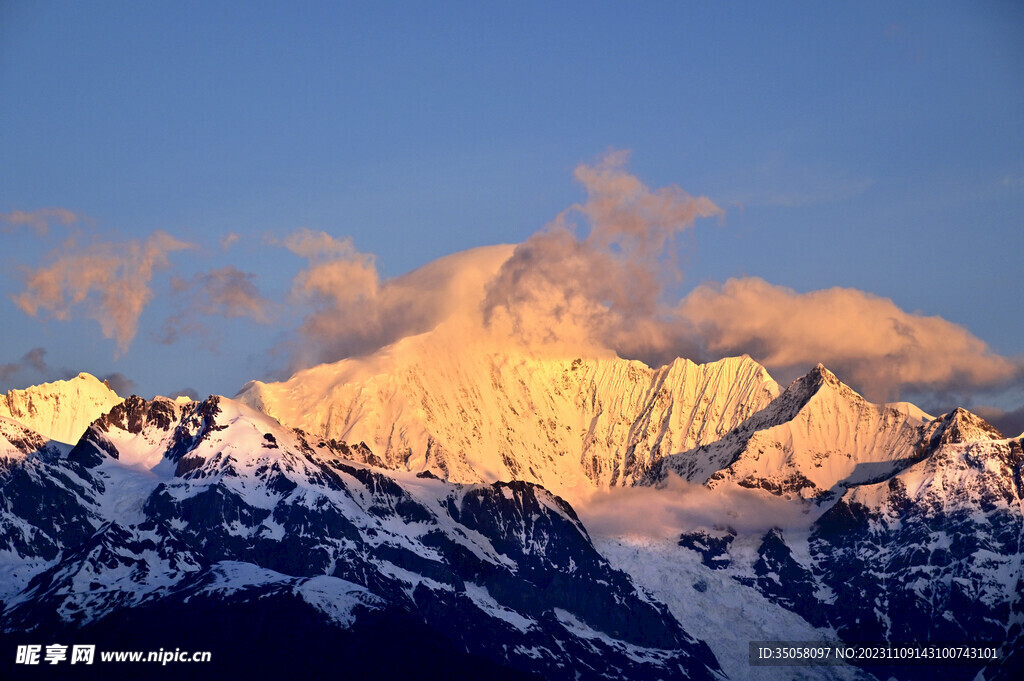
878, 146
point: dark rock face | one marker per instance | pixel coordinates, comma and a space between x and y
712, 547
919, 542
47, 505
136, 414
195, 425
267, 540
962, 426
784, 580
927, 563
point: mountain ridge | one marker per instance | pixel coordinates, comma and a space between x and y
60, 410
817, 436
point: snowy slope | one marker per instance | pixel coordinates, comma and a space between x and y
903, 526
817, 437
138, 432
717, 609
469, 414
61, 410
944, 537
25, 546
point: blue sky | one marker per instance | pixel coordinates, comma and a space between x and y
876, 146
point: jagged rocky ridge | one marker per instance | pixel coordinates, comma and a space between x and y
165, 513
576, 425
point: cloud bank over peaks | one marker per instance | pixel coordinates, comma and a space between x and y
107, 282
595, 288
593, 282
867, 340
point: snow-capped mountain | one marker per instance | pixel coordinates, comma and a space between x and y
936, 550
818, 437
470, 415
413, 504
913, 527
165, 510
61, 410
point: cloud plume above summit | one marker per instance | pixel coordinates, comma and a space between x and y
590, 281
601, 285
352, 311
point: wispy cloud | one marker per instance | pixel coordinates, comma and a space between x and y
107, 282
1009, 423
190, 393
38, 220
342, 287
229, 240
33, 360
228, 292
119, 383
351, 311
225, 292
